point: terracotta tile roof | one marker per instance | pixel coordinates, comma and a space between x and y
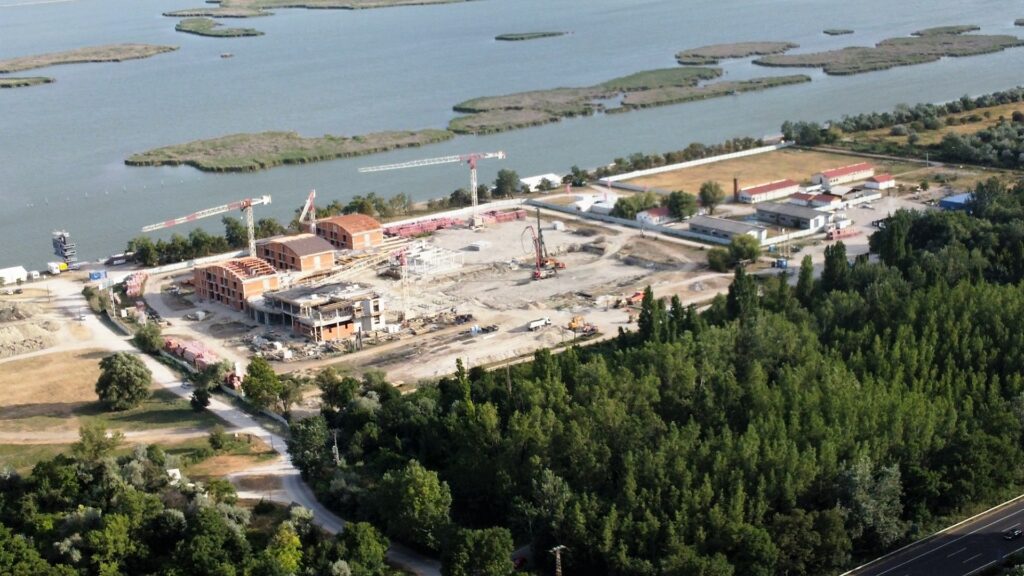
881, 178
302, 244
354, 223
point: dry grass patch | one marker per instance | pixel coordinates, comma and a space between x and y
55, 384
790, 163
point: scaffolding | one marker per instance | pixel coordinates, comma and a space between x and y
424, 259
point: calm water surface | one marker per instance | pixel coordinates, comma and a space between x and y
62, 145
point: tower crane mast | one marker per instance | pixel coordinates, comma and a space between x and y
243, 205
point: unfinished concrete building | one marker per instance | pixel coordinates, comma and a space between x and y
233, 282
424, 259
322, 314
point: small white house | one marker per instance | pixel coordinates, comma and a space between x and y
603, 206
880, 182
13, 275
534, 182
654, 216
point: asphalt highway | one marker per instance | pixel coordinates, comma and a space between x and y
962, 550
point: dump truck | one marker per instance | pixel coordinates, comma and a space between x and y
539, 323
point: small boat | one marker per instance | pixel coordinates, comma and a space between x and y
227, 55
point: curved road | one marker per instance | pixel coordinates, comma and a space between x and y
67, 295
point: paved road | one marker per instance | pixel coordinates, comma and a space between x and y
68, 296
961, 550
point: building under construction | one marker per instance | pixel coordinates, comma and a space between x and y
322, 314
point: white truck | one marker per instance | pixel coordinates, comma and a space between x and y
539, 323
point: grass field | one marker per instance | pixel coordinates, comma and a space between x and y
49, 396
239, 455
797, 165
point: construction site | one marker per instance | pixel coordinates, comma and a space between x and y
487, 284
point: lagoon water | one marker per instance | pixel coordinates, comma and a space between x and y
62, 145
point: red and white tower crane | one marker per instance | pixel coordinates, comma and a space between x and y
470, 159
243, 205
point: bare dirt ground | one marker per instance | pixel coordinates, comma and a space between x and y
496, 288
797, 165
35, 321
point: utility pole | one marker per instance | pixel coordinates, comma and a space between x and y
557, 551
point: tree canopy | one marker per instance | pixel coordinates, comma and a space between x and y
124, 381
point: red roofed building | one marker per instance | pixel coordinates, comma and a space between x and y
233, 282
844, 174
881, 182
654, 216
301, 252
769, 191
825, 201
351, 231
801, 199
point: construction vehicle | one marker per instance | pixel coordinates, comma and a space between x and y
538, 324
837, 233
544, 266
245, 206
580, 326
469, 159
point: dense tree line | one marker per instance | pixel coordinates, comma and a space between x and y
640, 161
786, 430
1001, 145
91, 513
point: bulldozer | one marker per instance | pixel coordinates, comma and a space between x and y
580, 326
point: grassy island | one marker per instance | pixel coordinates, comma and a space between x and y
528, 36
706, 55
921, 47
24, 82
641, 90
217, 12
254, 8
944, 30
252, 152
106, 53
837, 31
209, 27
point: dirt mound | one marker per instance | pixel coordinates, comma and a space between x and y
14, 311
21, 338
